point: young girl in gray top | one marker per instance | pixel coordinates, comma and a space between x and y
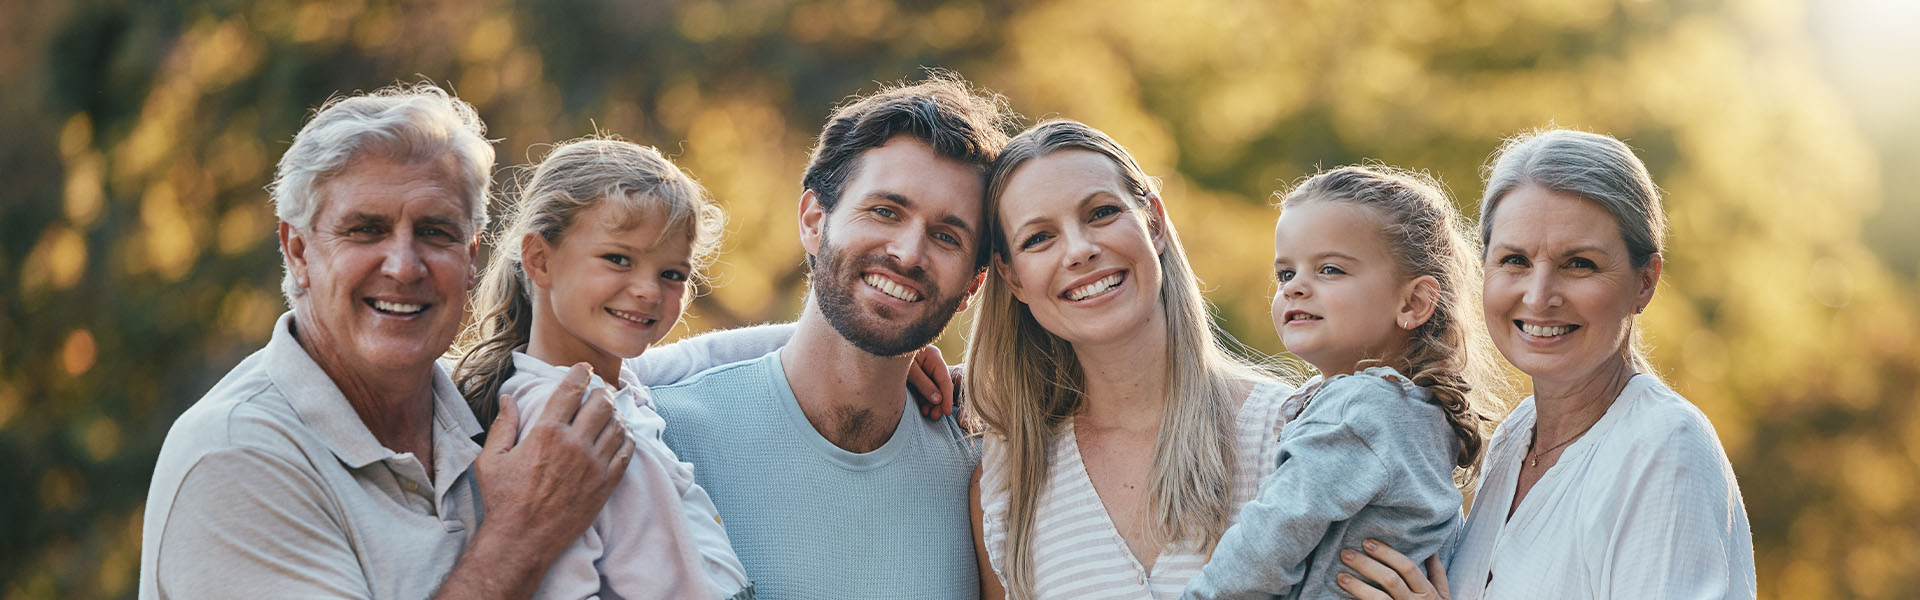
1374, 270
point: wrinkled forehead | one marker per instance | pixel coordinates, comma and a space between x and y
910, 172
1538, 219
378, 185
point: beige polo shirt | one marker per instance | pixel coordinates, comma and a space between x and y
270, 486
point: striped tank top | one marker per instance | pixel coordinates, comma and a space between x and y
1078, 552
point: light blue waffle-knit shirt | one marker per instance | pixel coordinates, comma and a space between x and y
810, 520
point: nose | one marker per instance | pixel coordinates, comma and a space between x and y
909, 247
1296, 287
404, 262
1081, 251
1543, 291
645, 286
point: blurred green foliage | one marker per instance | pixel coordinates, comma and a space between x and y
138, 263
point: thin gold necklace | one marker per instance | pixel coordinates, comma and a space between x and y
1533, 458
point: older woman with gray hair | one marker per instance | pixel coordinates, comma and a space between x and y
338, 461
1605, 483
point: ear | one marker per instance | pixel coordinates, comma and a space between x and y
1005, 272
1418, 299
1649, 281
534, 255
972, 289
1157, 222
293, 246
813, 217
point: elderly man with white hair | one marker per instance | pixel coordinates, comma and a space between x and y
338, 461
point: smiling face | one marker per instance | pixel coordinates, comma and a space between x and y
1340, 291
1080, 252
385, 268
603, 293
895, 258
1561, 290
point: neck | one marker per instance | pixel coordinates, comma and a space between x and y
1125, 380
1566, 408
852, 397
395, 402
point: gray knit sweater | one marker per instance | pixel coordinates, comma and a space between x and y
1370, 457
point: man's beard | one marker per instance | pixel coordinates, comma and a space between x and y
833, 288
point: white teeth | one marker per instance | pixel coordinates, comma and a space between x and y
1303, 317
890, 288
1091, 289
396, 307
630, 316
1543, 331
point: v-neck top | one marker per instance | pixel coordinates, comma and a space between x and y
1644, 505
1077, 551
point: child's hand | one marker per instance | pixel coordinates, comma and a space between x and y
1393, 572
935, 386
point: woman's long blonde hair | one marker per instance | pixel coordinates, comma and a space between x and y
573, 178
1023, 381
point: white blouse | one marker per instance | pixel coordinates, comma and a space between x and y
1077, 551
1644, 505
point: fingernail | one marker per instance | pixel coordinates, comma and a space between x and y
1348, 555
1346, 579
1372, 545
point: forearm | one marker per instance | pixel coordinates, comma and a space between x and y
497, 565
679, 360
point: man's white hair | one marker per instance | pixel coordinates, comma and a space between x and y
410, 123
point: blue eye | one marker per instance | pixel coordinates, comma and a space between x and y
1331, 270
884, 212
1283, 275
946, 238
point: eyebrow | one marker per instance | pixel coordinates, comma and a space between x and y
443, 222
364, 217
1576, 250
952, 220
1083, 202
1321, 256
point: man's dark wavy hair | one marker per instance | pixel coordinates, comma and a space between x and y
959, 121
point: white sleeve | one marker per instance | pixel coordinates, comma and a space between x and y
1675, 527
680, 360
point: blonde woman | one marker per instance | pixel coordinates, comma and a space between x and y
1120, 435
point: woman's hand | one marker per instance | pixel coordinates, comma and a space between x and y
935, 385
1392, 575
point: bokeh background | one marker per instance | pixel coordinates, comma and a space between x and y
138, 263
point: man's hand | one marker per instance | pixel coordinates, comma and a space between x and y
541, 492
